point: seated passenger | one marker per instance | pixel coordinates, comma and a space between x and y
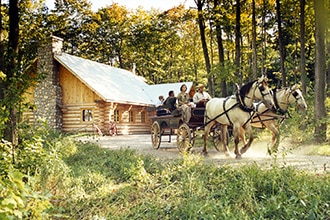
201, 97
184, 103
160, 102
170, 102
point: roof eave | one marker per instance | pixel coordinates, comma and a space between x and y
129, 103
76, 75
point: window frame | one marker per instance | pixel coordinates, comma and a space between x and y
87, 115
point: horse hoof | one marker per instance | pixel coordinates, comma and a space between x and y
227, 154
238, 156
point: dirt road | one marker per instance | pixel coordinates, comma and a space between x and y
256, 154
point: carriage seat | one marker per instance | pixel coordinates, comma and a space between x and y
162, 111
199, 111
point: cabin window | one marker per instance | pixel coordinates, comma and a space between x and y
87, 115
131, 116
143, 117
116, 116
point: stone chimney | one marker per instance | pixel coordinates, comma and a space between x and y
48, 93
57, 44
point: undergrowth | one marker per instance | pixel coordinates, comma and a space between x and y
105, 184
52, 176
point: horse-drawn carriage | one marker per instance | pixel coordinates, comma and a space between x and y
236, 111
219, 114
169, 124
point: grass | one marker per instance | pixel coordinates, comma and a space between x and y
105, 184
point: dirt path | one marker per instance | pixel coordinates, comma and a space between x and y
256, 154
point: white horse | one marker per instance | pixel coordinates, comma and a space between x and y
236, 110
269, 118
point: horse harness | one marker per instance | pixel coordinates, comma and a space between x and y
241, 104
276, 110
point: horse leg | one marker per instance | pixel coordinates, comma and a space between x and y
242, 135
236, 141
275, 137
207, 129
248, 129
224, 138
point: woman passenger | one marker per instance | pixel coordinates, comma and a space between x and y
184, 103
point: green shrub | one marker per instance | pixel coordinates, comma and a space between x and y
32, 172
124, 185
18, 200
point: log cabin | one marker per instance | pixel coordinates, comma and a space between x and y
83, 96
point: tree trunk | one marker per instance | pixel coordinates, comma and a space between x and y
2, 60
303, 74
237, 41
320, 72
254, 39
1, 46
11, 69
264, 41
201, 25
223, 83
327, 36
281, 43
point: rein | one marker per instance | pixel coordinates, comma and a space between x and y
240, 103
277, 107
276, 110
222, 113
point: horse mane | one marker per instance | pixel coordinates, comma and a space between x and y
245, 89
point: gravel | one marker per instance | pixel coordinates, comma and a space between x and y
256, 154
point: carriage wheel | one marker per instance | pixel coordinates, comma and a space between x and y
155, 135
216, 136
184, 138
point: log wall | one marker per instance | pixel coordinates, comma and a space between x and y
77, 97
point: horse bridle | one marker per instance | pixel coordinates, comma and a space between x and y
261, 88
294, 93
241, 104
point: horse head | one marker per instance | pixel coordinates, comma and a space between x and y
295, 93
263, 92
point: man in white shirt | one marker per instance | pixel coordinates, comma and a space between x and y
201, 97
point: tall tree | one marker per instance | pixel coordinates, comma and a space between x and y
68, 21
238, 40
327, 34
112, 32
303, 75
320, 71
254, 40
1, 44
11, 72
281, 41
221, 54
201, 24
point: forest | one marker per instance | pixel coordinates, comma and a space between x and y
220, 43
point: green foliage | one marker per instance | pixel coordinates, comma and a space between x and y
31, 172
123, 185
18, 200
58, 177
300, 124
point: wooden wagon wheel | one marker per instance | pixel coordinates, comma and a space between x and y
155, 135
184, 138
216, 136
